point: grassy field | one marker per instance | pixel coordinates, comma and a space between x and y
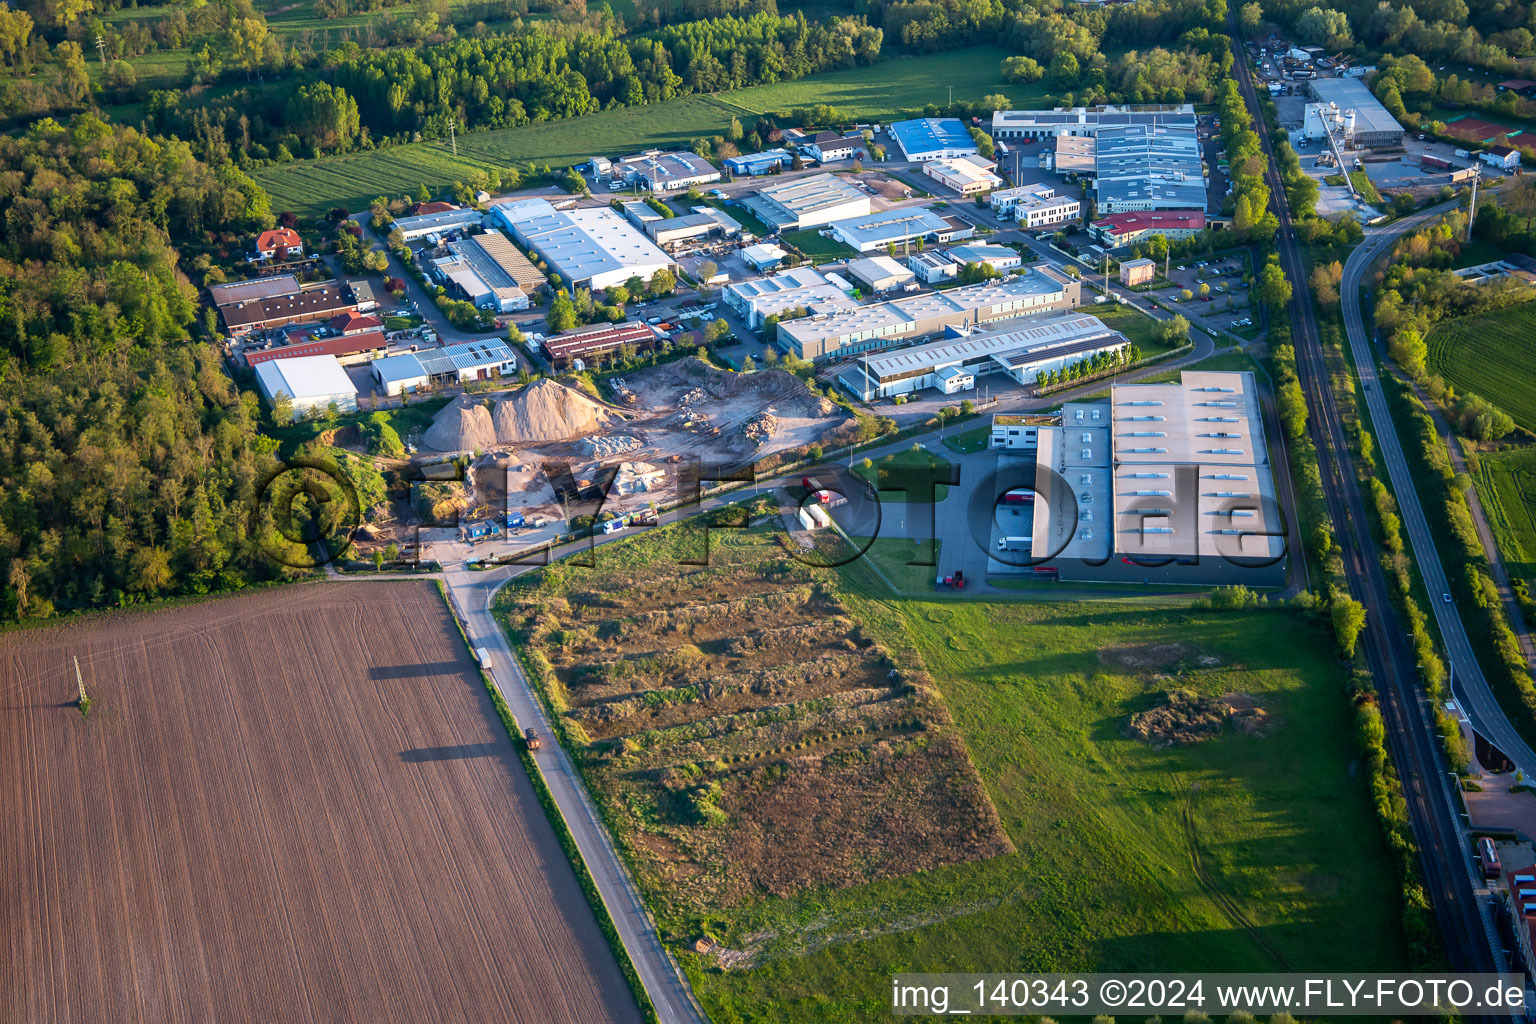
898, 462
1494, 356
901, 83
1244, 852
816, 247
1107, 829
1506, 483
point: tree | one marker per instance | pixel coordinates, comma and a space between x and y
1348, 617
1185, 295
707, 270
1064, 69
1324, 27
376, 261
1205, 290
1174, 329
662, 283
734, 133
1022, 70
1252, 18
1273, 289
562, 313
747, 365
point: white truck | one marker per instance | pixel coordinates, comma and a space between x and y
1013, 543
483, 656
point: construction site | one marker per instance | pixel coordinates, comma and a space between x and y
538, 448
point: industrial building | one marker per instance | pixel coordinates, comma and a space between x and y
312, 384
763, 256
1146, 167
940, 265
346, 348
703, 222
452, 364
1061, 122
481, 269
1162, 483
1037, 289
1372, 126
665, 172
362, 294
1129, 228
752, 165
590, 247
1022, 350
1501, 157
899, 227
881, 274
423, 224
808, 202
302, 305
250, 291
1035, 206
933, 138
967, 175
800, 288
591, 343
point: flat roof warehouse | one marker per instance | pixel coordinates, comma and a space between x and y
590, 246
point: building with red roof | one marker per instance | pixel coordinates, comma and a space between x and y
590, 343
1129, 228
435, 206
277, 243
347, 348
355, 323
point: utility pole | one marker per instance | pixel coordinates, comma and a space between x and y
452, 138
101, 49
1472, 209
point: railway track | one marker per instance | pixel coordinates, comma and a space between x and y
1444, 845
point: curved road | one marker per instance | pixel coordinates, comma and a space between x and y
1470, 685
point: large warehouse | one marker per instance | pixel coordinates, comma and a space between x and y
591, 247
898, 227
424, 224
312, 384
1373, 127
1145, 167
665, 172
1163, 483
475, 267
598, 340
1036, 289
799, 288
808, 202
1022, 349
1086, 121
933, 138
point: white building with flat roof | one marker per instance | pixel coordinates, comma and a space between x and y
1037, 289
1085, 121
424, 224
800, 288
312, 384
808, 202
1035, 206
890, 227
589, 247
1166, 483
967, 175
1021, 349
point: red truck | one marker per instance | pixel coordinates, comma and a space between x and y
828, 499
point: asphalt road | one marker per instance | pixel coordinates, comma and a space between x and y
1433, 809
1470, 684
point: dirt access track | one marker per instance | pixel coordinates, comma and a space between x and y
295, 805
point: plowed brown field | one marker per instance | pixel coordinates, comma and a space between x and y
290, 806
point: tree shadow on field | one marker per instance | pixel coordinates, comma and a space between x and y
419, 671
452, 752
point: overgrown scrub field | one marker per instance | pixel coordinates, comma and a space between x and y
1493, 355
1108, 831
745, 737
1506, 482
311, 187
295, 805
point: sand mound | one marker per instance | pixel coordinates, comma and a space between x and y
547, 411
464, 424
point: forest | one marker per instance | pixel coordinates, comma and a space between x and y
129, 459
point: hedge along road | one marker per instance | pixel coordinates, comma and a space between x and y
1471, 686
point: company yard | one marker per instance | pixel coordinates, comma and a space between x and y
709, 720
295, 805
